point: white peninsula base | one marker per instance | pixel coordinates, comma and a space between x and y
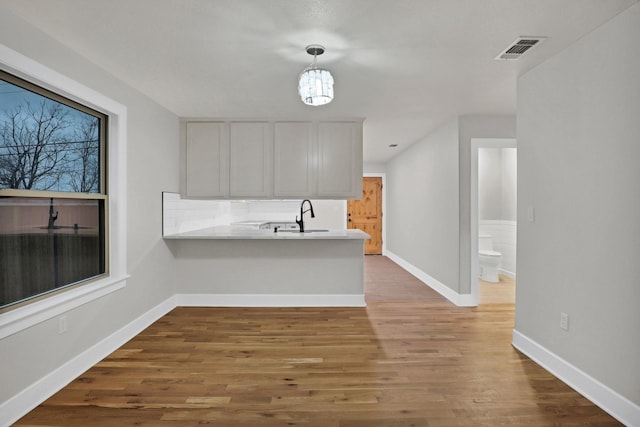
263, 270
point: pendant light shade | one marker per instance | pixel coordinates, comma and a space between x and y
315, 85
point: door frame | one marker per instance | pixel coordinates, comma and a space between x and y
382, 175
476, 144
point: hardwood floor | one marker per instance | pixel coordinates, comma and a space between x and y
410, 358
503, 292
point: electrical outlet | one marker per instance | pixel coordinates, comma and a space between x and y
564, 321
62, 324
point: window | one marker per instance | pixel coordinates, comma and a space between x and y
18, 317
53, 193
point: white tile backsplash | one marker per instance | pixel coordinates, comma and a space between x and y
181, 215
271, 210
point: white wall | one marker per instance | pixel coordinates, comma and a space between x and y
374, 168
32, 354
422, 205
497, 180
490, 183
578, 155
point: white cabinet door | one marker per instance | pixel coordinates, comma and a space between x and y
207, 158
251, 154
340, 160
293, 159
266, 159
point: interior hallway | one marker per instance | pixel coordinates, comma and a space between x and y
410, 358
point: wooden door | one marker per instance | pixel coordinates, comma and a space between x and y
366, 214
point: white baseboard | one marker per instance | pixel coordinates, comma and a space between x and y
23, 402
10, 411
461, 300
507, 273
619, 407
269, 300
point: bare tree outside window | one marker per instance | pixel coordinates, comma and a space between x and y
33, 146
53, 204
47, 145
84, 170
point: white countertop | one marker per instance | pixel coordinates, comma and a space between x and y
240, 233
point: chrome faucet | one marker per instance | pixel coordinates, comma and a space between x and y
302, 211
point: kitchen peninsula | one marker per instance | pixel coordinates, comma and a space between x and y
249, 263
227, 266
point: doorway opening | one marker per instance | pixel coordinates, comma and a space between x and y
493, 220
366, 214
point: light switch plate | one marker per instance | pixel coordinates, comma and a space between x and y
531, 214
564, 321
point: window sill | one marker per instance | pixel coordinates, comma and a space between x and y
22, 318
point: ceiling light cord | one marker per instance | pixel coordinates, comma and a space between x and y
314, 62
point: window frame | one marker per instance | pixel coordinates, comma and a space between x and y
104, 137
56, 303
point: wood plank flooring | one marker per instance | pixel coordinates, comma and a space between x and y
410, 358
503, 292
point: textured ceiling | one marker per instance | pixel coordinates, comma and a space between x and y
404, 66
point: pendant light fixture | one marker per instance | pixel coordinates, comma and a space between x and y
315, 85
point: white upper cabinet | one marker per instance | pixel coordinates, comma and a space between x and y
251, 159
293, 159
207, 159
340, 160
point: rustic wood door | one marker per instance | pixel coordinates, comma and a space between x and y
366, 214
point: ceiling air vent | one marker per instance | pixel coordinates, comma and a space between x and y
519, 47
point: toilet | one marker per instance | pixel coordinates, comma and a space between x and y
488, 259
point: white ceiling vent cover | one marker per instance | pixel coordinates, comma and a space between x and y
519, 47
